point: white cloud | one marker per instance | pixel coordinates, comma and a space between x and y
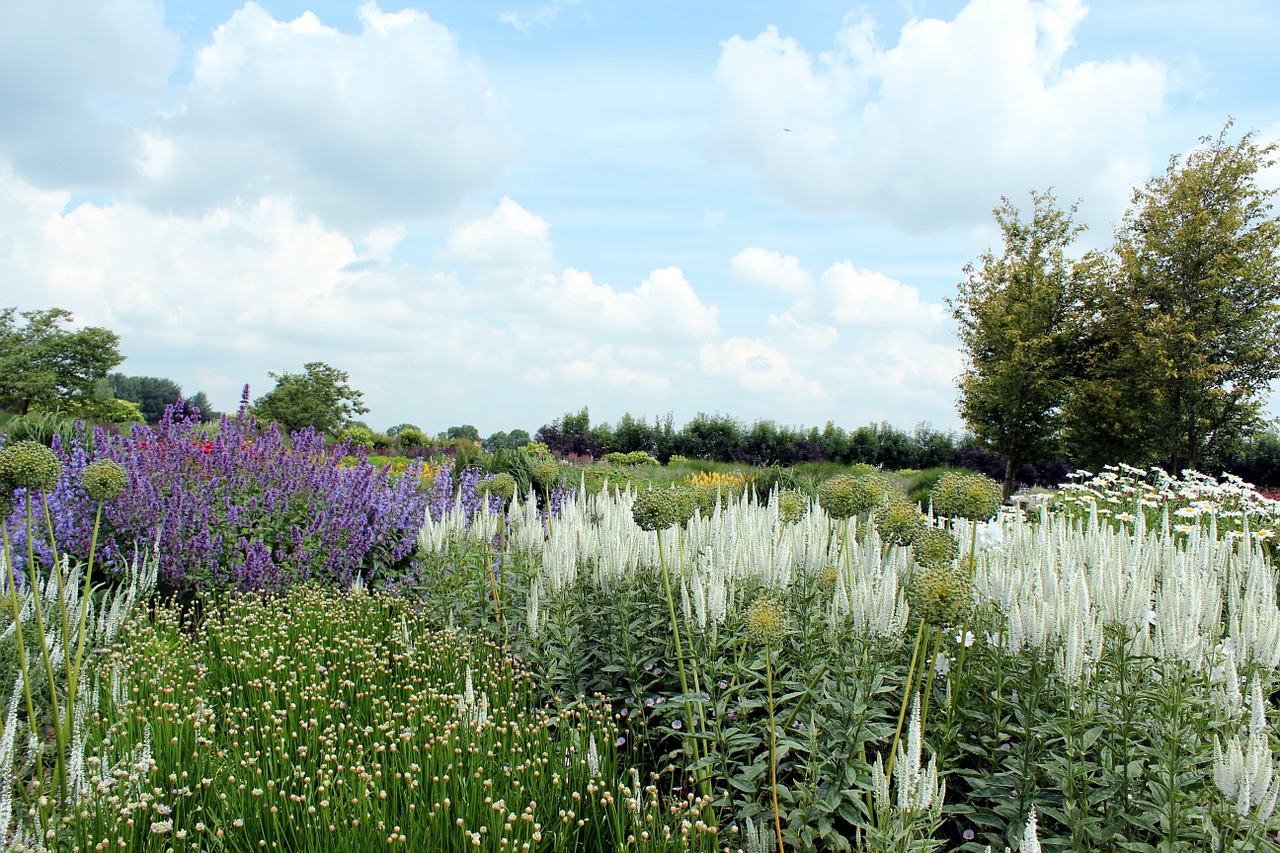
768, 270
390, 123
755, 366
931, 131
71, 76
510, 243
543, 15
871, 299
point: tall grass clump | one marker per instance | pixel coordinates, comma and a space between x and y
318, 721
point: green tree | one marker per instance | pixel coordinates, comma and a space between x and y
320, 397
464, 431
152, 394
1197, 295
45, 365
201, 401
1018, 316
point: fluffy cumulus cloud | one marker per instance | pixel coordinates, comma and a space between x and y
850, 335
930, 131
363, 129
259, 286
72, 76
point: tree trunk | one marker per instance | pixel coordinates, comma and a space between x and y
1010, 480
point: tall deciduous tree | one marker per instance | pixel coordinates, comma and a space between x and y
45, 365
1198, 286
1017, 312
321, 397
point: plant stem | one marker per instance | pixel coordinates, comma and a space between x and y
773, 745
906, 699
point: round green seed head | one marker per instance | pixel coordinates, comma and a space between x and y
766, 621
899, 523
940, 595
839, 496
655, 509
546, 474
935, 547
104, 480
971, 495
791, 506
501, 484
30, 465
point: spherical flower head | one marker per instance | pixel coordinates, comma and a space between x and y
935, 547
940, 595
766, 621
839, 496
104, 480
655, 509
546, 474
971, 495
791, 506
501, 484
829, 574
900, 523
30, 465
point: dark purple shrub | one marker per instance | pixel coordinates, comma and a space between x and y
244, 509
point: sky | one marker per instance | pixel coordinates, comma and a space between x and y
494, 213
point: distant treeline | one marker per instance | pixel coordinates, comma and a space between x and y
722, 438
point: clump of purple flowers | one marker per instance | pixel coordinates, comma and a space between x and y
242, 509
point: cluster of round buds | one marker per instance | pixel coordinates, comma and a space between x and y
791, 506
501, 484
546, 474
940, 595
974, 496
900, 523
935, 547
845, 496
104, 480
30, 465
656, 509
766, 621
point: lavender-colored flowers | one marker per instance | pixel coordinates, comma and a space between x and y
244, 509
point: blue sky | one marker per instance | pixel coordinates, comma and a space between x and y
497, 212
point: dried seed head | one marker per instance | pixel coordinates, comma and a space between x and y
30, 465
791, 506
104, 479
655, 509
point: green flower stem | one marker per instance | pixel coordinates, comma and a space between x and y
906, 700
59, 739
691, 743
931, 663
74, 667
773, 745
12, 583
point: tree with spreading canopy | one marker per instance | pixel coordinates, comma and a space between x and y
1018, 317
1187, 332
320, 397
44, 365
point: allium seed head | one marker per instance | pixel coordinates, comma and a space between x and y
791, 506
30, 465
940, 595
935, 547
501, 484
900, 523
104, 479
970, 495
546, 473
655, 509
766, 621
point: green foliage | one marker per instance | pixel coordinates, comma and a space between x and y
152, 394
635, 457
359, 436
465, 431
1187, 329
45, 365
320, 398
40, 426
1018, 329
